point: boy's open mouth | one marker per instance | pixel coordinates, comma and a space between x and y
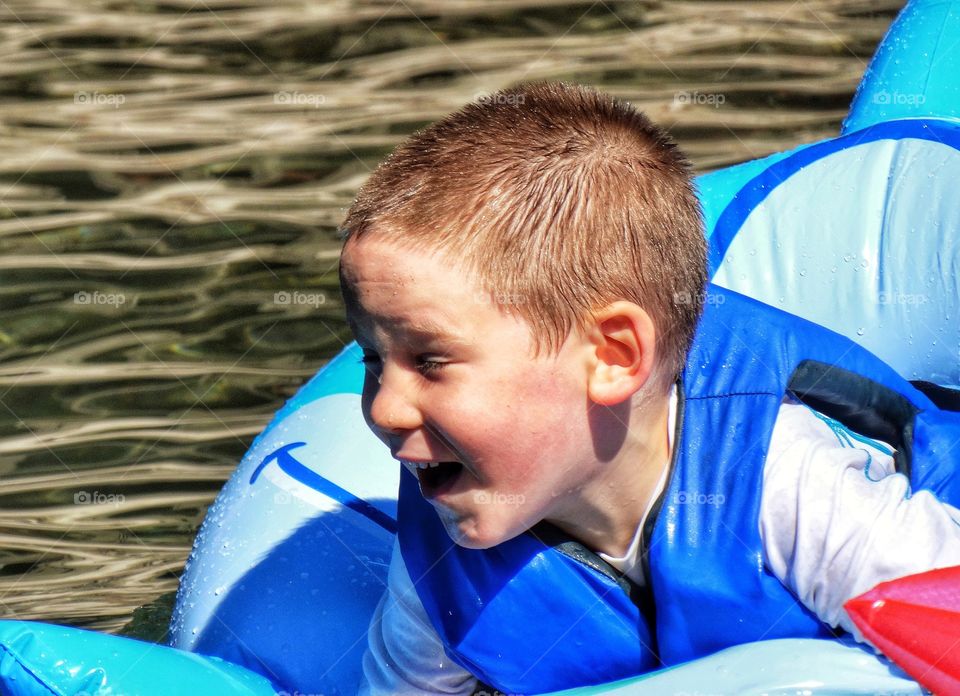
438, 477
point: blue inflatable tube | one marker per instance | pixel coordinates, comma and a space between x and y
105, 665
913, 73
858, 233
42, 660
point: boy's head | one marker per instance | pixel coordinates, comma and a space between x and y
475, 252
557, 199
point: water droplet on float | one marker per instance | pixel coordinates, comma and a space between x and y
860, 331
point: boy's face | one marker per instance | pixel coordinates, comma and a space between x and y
450, 379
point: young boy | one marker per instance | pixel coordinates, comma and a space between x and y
600, 480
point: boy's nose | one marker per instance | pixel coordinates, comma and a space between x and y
390, 407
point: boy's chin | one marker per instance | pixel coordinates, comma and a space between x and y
474, 544
470, 534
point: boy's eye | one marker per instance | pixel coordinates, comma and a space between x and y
427, 365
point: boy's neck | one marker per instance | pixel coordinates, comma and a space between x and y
617, 501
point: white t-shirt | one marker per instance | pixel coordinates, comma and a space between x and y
835, 520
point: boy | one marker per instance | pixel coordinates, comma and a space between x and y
601, 480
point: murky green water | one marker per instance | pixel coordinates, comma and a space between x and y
172, 176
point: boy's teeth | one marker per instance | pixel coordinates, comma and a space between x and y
426, 465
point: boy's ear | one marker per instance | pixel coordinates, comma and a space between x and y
623, 351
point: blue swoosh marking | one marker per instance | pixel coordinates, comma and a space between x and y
296, 470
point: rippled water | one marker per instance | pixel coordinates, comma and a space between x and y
172, 176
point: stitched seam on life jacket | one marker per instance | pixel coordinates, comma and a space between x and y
733, 394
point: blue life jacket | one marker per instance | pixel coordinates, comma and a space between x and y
538, 613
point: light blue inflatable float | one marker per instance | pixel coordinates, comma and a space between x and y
858, 233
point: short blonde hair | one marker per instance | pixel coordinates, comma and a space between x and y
560, 199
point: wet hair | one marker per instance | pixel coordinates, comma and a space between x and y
558, 199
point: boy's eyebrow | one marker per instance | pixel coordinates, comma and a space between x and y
428, 327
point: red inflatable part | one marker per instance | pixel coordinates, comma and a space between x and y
915, 621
